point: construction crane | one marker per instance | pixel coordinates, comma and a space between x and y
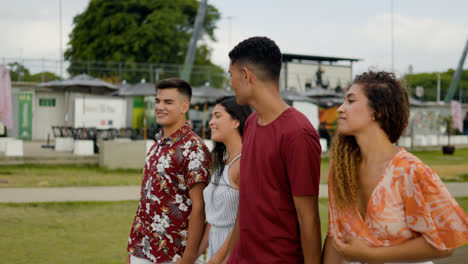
192, 47
456, 76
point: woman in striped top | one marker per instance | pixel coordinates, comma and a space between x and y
222, 193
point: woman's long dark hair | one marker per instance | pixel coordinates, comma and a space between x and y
237, 112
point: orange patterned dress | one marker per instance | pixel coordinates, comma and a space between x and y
409, 200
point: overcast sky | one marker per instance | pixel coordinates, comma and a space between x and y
428, 34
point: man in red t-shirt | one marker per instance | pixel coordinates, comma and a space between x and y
278, 220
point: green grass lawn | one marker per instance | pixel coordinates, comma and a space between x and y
78, 232
66, 175
449, 167
433, 158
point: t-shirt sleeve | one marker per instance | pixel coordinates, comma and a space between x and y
303, 163
432, 211
198, 165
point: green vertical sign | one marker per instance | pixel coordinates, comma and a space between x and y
138, 112
25, 116
149, 110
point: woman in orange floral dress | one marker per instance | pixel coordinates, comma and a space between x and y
385, 205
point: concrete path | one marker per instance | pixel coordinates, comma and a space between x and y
121, 193
108, 193
460, 256
458, 189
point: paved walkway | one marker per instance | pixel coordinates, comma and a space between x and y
460, 256
121, 193
108, 193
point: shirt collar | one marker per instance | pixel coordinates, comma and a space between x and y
175, 137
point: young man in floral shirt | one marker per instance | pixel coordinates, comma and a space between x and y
170, 217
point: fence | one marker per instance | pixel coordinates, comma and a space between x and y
116, 72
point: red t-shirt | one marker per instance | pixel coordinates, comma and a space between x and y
279, 161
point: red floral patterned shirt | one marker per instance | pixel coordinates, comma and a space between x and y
173, 165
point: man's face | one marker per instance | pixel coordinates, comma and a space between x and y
170, 107
238, 84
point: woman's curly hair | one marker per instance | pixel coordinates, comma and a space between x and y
389, 101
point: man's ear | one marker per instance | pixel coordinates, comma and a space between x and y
248, 74
185, 106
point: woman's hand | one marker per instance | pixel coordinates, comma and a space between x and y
353, 249
413, 250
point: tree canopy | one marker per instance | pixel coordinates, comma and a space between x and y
131, 31
429, 82
19, 73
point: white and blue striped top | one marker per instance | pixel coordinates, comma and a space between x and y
221, 204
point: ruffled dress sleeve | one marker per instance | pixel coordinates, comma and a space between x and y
337, 217
431, 210
331, 213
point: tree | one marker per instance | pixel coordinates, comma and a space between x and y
150, 31
429, 82
42, 77
19, 73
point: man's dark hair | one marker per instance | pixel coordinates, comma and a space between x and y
182, 86
262, 54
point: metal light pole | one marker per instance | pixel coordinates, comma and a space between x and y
438, 88
229, 19
60, 39
392, 37
192, 48
456, 75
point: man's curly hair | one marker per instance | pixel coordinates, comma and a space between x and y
262, 54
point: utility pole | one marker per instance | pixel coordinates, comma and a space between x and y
229, 19
456, 76
438, 88
392, 37
192, 47
60, 40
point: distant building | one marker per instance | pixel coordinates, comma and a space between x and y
37, 109
304, 72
